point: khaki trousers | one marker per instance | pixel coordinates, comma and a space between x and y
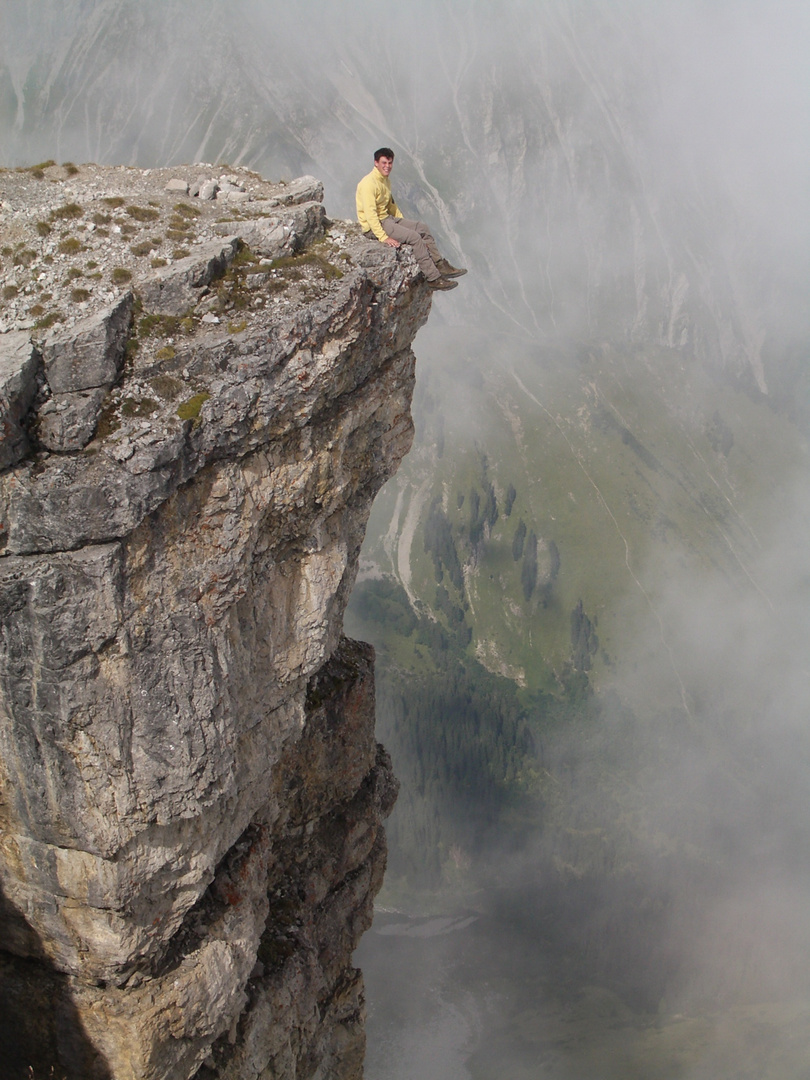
418, 237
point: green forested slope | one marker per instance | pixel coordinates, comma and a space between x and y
545, 477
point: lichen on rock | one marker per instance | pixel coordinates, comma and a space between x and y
191, 795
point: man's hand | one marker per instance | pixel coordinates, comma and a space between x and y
391, 241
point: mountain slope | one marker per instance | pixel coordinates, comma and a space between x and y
622, 464
552, 147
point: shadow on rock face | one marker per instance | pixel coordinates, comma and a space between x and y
41, 1035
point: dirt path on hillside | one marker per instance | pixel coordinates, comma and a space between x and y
406, 535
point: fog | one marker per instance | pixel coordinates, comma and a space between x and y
626, 173
658, 923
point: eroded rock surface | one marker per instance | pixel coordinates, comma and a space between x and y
190, 791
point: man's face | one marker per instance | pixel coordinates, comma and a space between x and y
384, 165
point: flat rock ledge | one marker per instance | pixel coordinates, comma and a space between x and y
191, 796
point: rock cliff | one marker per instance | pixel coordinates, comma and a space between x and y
203, 384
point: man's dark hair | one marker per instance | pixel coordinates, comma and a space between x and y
384, 151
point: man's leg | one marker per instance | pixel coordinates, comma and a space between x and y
444, 268
426, 234
408, 232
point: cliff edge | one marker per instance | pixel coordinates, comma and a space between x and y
203, 385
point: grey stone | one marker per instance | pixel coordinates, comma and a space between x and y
208, 190
308, 223
68, 421
233, 196
231, 183
286, 232
173, 290
304, 189
177, 185
19, 362
89, 354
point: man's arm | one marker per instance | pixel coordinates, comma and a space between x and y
393, 211
367, 208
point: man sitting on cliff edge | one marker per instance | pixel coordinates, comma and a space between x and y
380, 217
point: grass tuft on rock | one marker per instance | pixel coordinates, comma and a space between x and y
143, 213
68, 212
190, 410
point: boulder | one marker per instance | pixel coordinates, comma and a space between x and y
285, 233
68, 421
19, 361
90, 353
208, 190
233, 196
173, 290
304, 189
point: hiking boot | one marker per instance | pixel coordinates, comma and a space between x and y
447, 270
442, 283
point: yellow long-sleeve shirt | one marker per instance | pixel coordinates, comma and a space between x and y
375, 202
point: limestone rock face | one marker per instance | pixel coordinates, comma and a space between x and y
19, 362
191, 795
89, 355
171, 291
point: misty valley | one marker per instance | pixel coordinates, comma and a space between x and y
597, 858
492, 1001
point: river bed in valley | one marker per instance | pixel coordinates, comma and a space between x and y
467, 997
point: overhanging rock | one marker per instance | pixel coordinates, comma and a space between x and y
187, 753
